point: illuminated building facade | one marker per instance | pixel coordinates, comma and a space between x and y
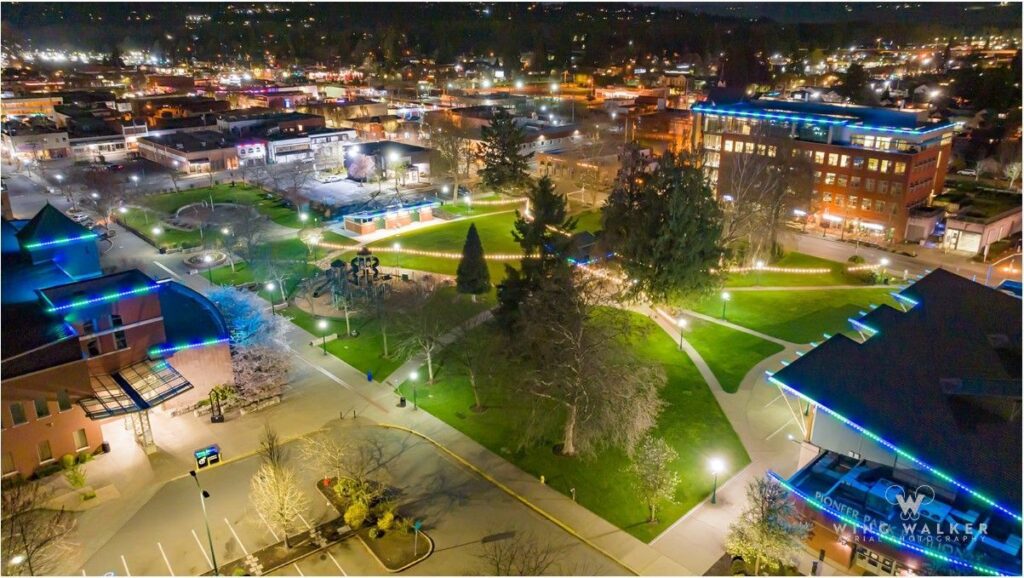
911, 451
870, 165
81, 347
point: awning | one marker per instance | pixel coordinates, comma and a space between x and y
137, 387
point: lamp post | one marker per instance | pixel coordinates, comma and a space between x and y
398, 256
203, 496
882, 264
725, 301
757, 267
270, 290
717, 466
207, 259
413, 377
322, 325
683, 323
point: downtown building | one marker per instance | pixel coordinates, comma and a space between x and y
82, 349
871, 166
910, 457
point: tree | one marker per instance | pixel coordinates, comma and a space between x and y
246, 229
505, 168
581, 361
276, 495
768, 530
362, 167
667, 228
455, 154
855, 82
476, 357
258, 359
1011, 171
326, 455
39, 535
107, 193
656, 479
421, 322
271, 451
472, 275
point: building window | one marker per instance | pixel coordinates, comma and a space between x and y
884, 167
872, 164
748, 147
853, 201
89, 327
45, 453
844, 161
833, 159
762, 150
817, 176
830, 178
771, 151
18, 413
841, 180
63, 400
728, 146
840, 199
42, 408
900, 168
120, 340
883, 187
93, 347
880, 206
826, 197
854, 182
8, 464
819, 158
897, 189
858, 162
865, 204
869, 185
81, 440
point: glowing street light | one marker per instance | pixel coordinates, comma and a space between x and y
270, 286
412, 378
726, 296
717, 466
519, 85
157, 231
122, 210
94, 195
225, 231
554, 87
17, 559
683, 323
322, 325
758, 266
303, 217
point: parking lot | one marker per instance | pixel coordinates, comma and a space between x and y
167, 535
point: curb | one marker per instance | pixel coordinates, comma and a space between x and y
430, 550
515, 495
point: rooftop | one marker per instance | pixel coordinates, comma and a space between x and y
191, 142
265, 114
933, 380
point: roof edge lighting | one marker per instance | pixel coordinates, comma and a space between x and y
63, 241
102, 299
158, 351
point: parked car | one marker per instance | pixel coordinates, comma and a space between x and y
968, 172
115, 167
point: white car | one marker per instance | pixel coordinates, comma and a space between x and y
968, 172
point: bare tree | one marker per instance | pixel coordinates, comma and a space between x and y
107, 193
259, 362
35, 539
477, 358
246, 230
1011, 171
581, 362
276, 495
295, 182
455, 153
422, 320
326, 455
272, 451
518, 554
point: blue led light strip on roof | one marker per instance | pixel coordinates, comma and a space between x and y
64, 241
900, 452
904, 298
102, 299
887, 538
157, 351
766, 115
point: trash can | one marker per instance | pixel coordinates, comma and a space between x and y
401, 401
105, 447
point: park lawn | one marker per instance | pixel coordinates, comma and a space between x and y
270, 206
588, 221
729, 353
797, 316
144, 220
337, 238
692, 423
837, 276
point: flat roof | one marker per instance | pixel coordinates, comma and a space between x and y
851, 116
191, 142
901, 383
270, 115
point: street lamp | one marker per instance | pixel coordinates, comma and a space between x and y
757, 267
683, 323
208, 259
725, 301
322, 325
554, 87
303, 217
717, 466
519, 85
203, 496
157, 231
17, 559
413, 377
270, 290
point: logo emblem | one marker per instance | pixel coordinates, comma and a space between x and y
909, 501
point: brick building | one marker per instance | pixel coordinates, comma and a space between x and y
871, 165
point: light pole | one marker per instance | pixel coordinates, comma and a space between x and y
322, 325
883, 263
270, 290
725, 301
203, 496
208, 259
683, 323
757, 267
398, 256
413, 377
717, 466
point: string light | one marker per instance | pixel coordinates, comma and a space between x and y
157, 351
899, 451
886, 537
102, 299
64, 241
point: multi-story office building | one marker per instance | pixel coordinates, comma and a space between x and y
910, 457
871, 165
90, 347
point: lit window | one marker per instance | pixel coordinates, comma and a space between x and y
748, 147
819, 158
841, 180
840, 199
884, 167
728, 146
45, 453
771, 151
900, 168
830, 178
81, 440
18, 413
826, 197
872, 164
762, 149
42, 408
853, 201
844, 161
833, 159
865, 204
817, 176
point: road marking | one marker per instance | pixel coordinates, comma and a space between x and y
333, 559
269, 527
166, 561
125, 562
237, 539
332, 377
83, 572
161, 265
785, 424
297, 569
774, 399
201, 549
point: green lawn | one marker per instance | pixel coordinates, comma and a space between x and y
730, 354
692, 423
797, 316
365, 352
144, 221
588, 221
168, 203
837, 276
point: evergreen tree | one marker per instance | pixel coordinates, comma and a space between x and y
504, 168
472, 276
667, 227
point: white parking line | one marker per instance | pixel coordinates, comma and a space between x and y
83, 572
333, 559
201, 549
237, 539
161, 265
166, 561
125, 562
297, 569
269, 527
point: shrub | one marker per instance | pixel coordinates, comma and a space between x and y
403, 525
738, 567
73, 471
238, 572
386, 521
856, 259
355, 515
376, 533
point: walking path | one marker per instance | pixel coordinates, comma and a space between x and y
810, 288
740, 328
